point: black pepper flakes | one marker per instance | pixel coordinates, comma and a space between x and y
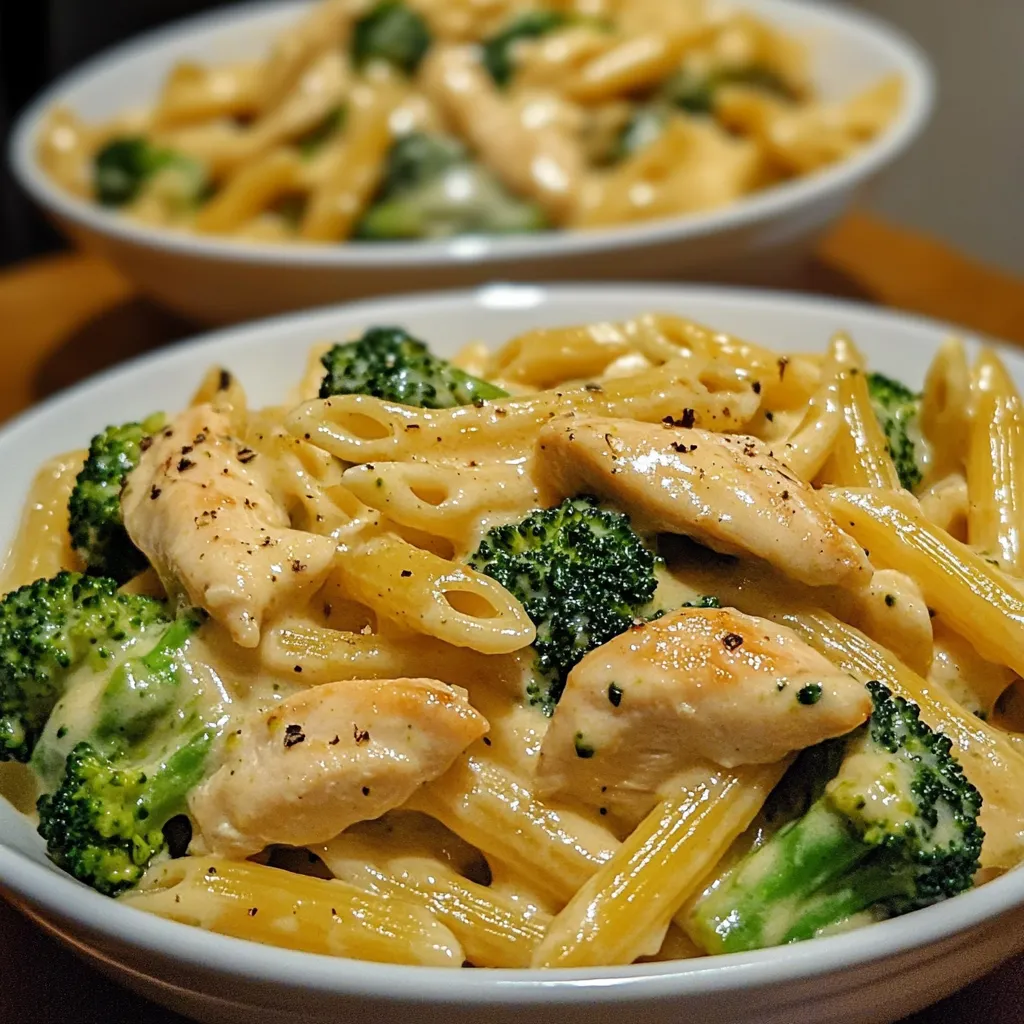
890, 600
359, 735
756, 387
809, 694
298, 566
406, 573
582, 747
246, 455
253, 911
154, 493
366, 790
487, 741
293, 734
184, 464
731, 641
614, 695
225, 381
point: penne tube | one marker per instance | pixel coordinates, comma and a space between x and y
492, 809
634, 64
358, 428
195, 93
336, 205
281, 908
423, 593
966, 590
248, 192
946, 411
546, 357
459, 503
327, 655
494, 929
613, 916
41, 545
860, 455
995, 470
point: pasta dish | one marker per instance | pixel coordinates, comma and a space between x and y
427, 119
626, 640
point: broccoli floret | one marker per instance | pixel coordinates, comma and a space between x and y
583, 577
894, 830
431, 188
898, 411
389, 363
104, 823
142, 691
392, 32
695, 92
499, 50
124, 165
49, 628
94, 509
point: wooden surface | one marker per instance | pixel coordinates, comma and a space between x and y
66, 317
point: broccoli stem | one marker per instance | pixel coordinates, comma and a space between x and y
143, 690
172, 781
807, 877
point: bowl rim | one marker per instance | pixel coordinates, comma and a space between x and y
60, 897
919, 96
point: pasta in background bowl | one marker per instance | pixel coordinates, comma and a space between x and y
455, 143
789, 371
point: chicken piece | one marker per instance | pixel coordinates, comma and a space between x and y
527, 146
198, 507
697, 685
328, 757
727, 492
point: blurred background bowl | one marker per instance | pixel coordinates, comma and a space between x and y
765, 238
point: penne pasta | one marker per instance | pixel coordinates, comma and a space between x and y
357, 428
995, 470
613, 916
281, 908
966, 590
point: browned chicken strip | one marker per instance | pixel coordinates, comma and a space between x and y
725, 491
198, 507
328, 757
695, 686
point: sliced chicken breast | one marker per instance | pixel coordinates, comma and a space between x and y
697, 685
725, 491
198, 507
328, 757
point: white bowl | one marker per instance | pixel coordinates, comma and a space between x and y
877, 974
762, 239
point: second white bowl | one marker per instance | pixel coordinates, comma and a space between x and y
761, 239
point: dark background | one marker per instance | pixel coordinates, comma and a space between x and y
39, 40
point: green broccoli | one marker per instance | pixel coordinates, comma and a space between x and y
499, 50
393, 32
431, 188
583, 577
48, 629
126, 164
898, 411
895, 829
104, 823
389, 363
142, 691
695, 92
94, 509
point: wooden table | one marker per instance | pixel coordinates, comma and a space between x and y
66, 317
